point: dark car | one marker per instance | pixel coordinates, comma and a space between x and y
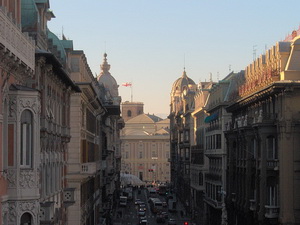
172, 222
165, 214
141, 212
143, 206
160, 218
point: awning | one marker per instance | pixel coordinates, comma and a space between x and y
212, 117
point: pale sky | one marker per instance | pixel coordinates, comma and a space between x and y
149, 42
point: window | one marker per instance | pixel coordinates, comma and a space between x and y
140, 155
129, 113
167, 154
272, 148
200, 178
26, 139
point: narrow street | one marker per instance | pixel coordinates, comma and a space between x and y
129, 215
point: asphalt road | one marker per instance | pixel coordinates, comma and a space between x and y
129, 215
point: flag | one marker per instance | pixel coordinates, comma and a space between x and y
127, 84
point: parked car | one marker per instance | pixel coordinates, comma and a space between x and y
172, 221
165, 214
144, 222
141, 212
143, 206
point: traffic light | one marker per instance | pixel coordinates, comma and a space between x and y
186, 223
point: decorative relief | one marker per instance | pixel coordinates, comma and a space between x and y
11, 178
12, 106
12, 212
27, 206
27, 179
30, 103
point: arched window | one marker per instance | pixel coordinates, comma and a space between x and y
129, 113
26, 219
26, 139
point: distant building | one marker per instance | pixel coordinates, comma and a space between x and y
181, 134
145, 147
131, 109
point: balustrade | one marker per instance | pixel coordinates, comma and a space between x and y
16, 42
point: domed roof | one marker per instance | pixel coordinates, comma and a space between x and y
107, 79
181, 83
144, 118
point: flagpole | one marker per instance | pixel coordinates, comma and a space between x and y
131, 92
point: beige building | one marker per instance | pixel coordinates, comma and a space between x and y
145, 148
263, 140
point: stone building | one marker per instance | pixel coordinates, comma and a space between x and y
262, 138
131, 109
19, 118
84, 156
40, 176
111, 125
220, 96
145, 147
199, 162
181, 134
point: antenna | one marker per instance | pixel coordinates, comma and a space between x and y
104, 46
210, 77
218, 76
229, 68
184, 61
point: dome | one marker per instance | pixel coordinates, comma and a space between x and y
181, 83
107, 79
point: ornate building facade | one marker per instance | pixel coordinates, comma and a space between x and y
263, 140
181, 134
199, 162
145, 147
37, 168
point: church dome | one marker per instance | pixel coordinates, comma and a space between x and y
182, 83
107, 80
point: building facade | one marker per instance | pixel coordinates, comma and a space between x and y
145, 148
181, 134
40, 176
220, 96
199, 162
131, 109
262, 139
17, 107
111, 125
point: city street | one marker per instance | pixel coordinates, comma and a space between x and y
129, 215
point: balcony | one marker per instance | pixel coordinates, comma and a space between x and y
89, 168
272, 164
16, 43
214, 203
271, 211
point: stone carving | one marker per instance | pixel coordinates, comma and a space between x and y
12, 212
27, 179
30, 103
12, 106
11, 177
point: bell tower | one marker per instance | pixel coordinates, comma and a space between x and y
131, 109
